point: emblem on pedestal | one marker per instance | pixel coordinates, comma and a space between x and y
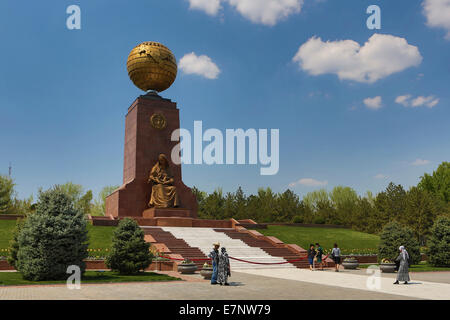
158, 121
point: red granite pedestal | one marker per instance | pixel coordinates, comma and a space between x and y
143, 144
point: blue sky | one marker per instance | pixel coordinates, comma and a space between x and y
64, 93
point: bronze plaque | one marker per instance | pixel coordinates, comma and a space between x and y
158, 121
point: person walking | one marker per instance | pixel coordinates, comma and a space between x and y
214, 255
311, 256
336, 255
319, 254
224, 268
403, 270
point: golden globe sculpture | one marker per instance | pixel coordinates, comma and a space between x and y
152, 66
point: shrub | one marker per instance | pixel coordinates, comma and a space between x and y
14, 243
297, 219
392, 237
52, 238
319, 220
129, 253
439, 243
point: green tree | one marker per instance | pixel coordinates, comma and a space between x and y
314, 198
264, 204
213, 205
52, 238
345, 201
438, 183
390, 204
439, 243
99, 206
365, 216
419, 213
288, 206
392, 237
6, 194
129, 253
23, 206
80, 199
240, 206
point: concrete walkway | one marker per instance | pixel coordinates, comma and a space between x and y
243, 287
362, 281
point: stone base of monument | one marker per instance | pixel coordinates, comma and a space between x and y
167, 212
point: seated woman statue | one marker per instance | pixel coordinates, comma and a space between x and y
164, 193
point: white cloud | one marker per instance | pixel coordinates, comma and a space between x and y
403, 100
373, 103
420, 162
211, 7
267, 12
200, 65
381, 176
437, 13
429, 101
309, 182
420, 101
381, 56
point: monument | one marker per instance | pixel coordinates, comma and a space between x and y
152, 184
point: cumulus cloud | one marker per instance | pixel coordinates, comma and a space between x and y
381, 56
267, 12
437, 13
381, 176
420, 101
199, 65
309, 182
211, 7
373, 103
403, 100
420, 162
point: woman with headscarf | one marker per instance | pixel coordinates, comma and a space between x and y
403, 258
224, 268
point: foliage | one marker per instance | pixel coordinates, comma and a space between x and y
389, 204
297, 219
14, 243
52, 238
439, 243
81, 200
419, 213
392, 237
438, 183
98, 208
129, 253
6, 194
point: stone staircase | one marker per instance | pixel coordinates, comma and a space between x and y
197, 243
175, 245
268, 247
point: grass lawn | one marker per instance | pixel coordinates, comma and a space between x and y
15, 278
421, 267
350, 241
99, 238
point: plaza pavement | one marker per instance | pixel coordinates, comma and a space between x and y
345, 279
270, 284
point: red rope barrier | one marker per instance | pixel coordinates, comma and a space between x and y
253, 262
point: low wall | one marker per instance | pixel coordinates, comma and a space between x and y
11, 216
373, 258
362, 259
